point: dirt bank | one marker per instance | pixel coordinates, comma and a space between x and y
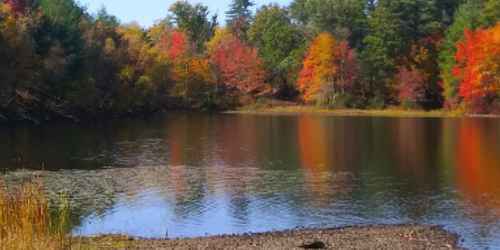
372, 237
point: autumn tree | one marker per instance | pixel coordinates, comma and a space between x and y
154, 67
418, 75
102, 59
411, 86
58, 60
239, 65
478, 67
466, 17
220, 35
194, 81
329, 69
18, 6
175, 44
348, 68
191, 73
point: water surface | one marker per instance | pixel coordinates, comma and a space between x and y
190, 174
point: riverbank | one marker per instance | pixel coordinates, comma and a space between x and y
369, 237
390, 112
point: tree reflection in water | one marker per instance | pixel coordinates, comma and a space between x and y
196, 174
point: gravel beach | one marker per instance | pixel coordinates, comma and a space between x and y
370, 237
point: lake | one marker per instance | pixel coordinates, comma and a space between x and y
190, 174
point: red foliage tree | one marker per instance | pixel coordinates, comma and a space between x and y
412, 86
348, 67
17, 6
478, 68
238, 65
174, 44
178, 45
417, 77
469, 55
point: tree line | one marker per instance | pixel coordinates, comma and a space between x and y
57, 60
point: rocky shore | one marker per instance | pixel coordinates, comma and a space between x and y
405, 237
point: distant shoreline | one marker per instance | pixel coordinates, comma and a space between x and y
270, 110
362, 237
390, 112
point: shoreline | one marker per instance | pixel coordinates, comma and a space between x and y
354, 237
276, 110
390, 112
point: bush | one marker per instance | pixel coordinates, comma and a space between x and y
412, 105
341, 101
376, 103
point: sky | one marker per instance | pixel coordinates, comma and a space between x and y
146, 12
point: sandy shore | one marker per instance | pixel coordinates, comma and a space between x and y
372, 237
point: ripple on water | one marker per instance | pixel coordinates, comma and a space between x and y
194, 201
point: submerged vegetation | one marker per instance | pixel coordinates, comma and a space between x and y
59, 61
27, 222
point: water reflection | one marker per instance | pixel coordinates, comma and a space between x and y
478, 165
193, 174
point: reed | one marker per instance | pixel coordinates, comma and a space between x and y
27, 222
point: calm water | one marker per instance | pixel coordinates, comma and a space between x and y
200, 174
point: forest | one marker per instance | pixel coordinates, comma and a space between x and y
58, 61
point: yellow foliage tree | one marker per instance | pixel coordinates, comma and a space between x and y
220, 35
194, 77
319, 67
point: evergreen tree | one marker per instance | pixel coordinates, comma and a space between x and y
491, 13
345, 19
394, 26
239, 17
195, 21
280, 43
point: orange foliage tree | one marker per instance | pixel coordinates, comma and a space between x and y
192, 73
329, 68
478, 68
237, 64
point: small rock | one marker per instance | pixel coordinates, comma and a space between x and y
314, 245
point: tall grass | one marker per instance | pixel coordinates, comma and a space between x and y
26, 221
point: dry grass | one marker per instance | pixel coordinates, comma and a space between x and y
26, 222
391, 112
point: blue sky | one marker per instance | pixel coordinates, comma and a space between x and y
146, 12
